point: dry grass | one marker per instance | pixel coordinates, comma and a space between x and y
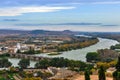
93, 77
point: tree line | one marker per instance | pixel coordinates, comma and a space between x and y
76, 45
54, 62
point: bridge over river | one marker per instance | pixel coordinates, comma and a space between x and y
25, 56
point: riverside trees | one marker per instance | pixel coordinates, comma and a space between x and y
92, 56
24, 63
76, 45
5, 63
61, 62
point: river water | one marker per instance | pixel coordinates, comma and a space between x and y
78, 54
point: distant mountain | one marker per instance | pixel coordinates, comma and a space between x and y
35, 32
5, 32
45, 32
67, 31
39, 32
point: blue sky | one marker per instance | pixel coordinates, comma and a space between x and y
76, 15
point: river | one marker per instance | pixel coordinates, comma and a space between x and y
78, 54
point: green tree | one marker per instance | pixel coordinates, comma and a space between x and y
118, 64
5, 63
92, 56
42, 64
24, 63
18, 51
116, 74
59, 62
87, 75
101, 73
112, 47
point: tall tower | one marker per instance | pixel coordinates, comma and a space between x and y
18, 46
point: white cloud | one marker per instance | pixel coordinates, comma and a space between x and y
92, 2
107, 2
15, 11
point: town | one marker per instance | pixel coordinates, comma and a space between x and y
21, 47
43, 43
25, 48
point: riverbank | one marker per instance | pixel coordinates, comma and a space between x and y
79, 54
77, 45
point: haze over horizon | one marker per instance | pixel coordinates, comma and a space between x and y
75, 15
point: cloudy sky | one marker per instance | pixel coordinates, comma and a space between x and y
76, 15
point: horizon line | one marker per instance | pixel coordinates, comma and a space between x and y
64, 30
